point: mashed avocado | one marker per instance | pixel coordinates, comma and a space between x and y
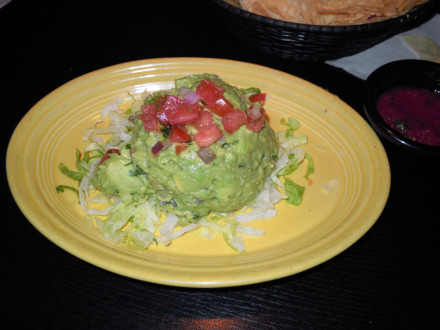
232, 93
183, 183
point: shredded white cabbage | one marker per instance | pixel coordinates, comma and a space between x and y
264, 205
331, 185
167, 228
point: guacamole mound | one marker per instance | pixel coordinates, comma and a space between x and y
183, 183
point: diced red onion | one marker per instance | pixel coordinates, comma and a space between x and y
132, 117
157, 148
184, 90
191, 98
166, 144
254, 113
206, 154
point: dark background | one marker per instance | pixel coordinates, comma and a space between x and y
387, 280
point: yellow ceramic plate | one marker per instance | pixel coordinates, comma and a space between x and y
343, 146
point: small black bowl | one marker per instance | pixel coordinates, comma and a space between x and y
404, 73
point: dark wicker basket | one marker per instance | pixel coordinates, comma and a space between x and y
304, 42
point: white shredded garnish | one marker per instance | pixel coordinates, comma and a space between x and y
237, 243
112, 109
85, 184
184, 230
331, 185
263, 206
169, 235
249, 231
206, 233
167, 228
211, 225
104, 212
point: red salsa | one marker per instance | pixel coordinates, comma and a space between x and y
412, 111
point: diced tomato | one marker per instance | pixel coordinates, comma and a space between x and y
212, 97
255, 125
175, 111
205, 119
233, 120
208, 91
259, 97
107, 154
207, 136
149, 108
171, 103
180, 148
150, 122
148, 118
184, 115
220, 107
178, 135
159, 101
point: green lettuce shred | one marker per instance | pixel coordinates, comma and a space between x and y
292, 125
77, 176
294, 191
250, 91
231, 238
61, 188
310, 166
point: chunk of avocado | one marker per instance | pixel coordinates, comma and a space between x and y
117, 176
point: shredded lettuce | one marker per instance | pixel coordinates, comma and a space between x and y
310, 166
294, 191
77, 176
250, 91
291, 166
133, 223
232, 239
292, 125
61, 188
140, 239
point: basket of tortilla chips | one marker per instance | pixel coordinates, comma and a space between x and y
318, 30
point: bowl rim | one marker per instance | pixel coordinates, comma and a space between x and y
371, 95
413, 13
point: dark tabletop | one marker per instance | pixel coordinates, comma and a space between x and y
388, 279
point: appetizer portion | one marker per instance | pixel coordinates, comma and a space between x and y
199, 155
